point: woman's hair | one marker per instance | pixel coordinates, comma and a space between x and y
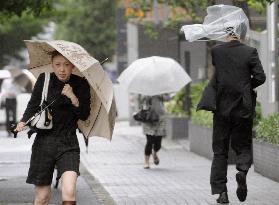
53, 54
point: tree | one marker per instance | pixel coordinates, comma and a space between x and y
181, 9
12, 33
18, 7
20, 20
90, 23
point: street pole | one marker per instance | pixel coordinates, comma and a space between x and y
273, 73
156, 19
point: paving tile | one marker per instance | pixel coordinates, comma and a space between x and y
181, 178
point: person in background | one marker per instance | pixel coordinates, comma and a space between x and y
9, 92
154, 131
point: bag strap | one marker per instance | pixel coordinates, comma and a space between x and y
45, 88
47, 84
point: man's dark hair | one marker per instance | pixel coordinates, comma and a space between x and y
241, 29
230, 31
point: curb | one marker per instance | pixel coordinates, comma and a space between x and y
102, 195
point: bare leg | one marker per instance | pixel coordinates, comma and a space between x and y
146, 162
42, 195
69, 181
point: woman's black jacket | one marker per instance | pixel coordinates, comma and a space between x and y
64, 114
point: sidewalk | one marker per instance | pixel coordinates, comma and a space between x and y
14, 164
181, 178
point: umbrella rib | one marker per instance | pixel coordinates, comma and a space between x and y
39, 65
96, 119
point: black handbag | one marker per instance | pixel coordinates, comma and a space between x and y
208, 99
146, 116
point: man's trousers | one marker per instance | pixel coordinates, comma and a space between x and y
238, 133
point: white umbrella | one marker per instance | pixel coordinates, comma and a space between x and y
221, 21
10, 71
21, 78
154, 76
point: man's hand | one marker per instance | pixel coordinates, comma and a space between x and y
68, 91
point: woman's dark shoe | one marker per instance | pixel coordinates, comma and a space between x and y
223, 198
241, 191
155, 159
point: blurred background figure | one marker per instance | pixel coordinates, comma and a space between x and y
153, 77
154, 131
15, 81
9, 91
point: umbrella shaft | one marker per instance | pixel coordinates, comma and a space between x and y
38, 113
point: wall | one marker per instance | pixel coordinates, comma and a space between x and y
121, 43
167, 44
197, 59
121, 99
259, 41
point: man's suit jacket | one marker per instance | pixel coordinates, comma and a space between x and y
238, 71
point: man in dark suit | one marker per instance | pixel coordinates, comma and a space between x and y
238, 71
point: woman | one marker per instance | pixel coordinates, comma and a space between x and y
154, 131
59, 146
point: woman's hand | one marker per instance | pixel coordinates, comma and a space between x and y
68, 91
20, 127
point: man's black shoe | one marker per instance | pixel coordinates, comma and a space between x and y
223, 198
241, 191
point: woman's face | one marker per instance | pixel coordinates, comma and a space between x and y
62, 68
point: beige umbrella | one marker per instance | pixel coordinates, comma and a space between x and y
103, 109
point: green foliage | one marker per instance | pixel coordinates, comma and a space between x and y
175, 105
18, 7
90, 23
14, 30
258, 5
268, 129
184, 9
201, 117
21, 20
258, 116
150, 30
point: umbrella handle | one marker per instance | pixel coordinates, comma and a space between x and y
102, 62
13, 126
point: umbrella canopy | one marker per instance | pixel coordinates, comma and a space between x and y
103, 110
221, 21
10, 71
4, 74
25, 80
154, 76
22, 78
